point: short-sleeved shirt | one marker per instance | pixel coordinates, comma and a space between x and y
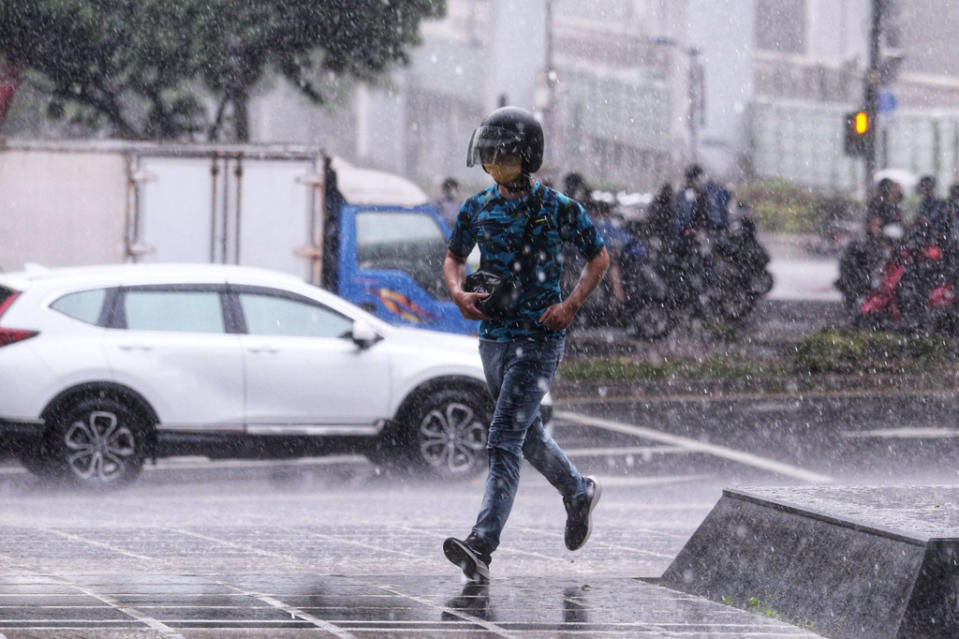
498, 226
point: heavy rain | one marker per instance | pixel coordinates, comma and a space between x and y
479, 318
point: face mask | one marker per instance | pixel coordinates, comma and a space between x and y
505, 173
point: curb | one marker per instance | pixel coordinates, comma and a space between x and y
685, 389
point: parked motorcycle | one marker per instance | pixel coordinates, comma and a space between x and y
861, 264
914, 289
720, 278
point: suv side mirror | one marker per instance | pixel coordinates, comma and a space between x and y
363, 334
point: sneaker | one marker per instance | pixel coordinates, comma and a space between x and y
579, 512
473, 563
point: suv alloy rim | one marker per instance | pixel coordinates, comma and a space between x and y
452, 436
99, 447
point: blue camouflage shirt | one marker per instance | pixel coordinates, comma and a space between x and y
498, 225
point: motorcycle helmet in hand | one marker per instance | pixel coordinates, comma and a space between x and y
502, 293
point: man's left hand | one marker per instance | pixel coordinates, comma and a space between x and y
558, 316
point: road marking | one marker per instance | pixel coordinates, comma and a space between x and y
644, 451
117, 605
231, 544
903, 433
538, 481
651, 481
487, 625
293, 611
344, 540
90, 542
595, 542
517, 551
747, 459
157, 625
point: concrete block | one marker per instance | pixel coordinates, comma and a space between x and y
849, 562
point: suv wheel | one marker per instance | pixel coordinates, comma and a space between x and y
445, 433
98, 443
449, 434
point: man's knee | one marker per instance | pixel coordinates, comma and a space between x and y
507, 441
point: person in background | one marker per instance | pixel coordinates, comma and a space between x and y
574, 186
930, 222
949, 228
884, 208
660, 218
690, 208
450, 201
616, 239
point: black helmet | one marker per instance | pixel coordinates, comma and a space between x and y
508, 131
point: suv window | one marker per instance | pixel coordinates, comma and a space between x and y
85, 306
408, 242
275, 315
175, 311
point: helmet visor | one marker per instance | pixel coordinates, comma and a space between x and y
491, 144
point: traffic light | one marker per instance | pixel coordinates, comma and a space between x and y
859, 131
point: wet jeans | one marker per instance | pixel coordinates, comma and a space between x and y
518, 375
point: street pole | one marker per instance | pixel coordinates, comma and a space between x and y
871, 98
694, 89
545, 101
695, 104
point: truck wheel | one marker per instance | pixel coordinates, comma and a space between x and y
447, 434
98, 443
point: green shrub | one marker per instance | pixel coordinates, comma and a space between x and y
783, 207
850, 350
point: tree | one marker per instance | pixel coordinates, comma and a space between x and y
173, 69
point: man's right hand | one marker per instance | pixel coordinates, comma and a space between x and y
466, 302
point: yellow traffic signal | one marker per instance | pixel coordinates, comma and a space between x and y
862, 122
858, 129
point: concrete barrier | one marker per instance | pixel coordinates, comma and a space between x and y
845, 562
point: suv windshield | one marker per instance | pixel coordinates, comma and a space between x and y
403, 241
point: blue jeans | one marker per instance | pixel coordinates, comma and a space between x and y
518, 374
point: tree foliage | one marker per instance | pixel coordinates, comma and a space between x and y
173, 69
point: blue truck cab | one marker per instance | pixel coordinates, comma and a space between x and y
384, 246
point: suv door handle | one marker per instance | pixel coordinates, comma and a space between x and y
264, 350
135, 347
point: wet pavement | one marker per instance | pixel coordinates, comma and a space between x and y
385, 606
337, 550
330, 547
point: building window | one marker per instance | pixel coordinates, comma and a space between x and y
781, 25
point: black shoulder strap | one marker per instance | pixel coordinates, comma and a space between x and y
528, 258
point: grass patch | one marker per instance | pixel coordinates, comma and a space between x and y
780, 206
843, 351
627, 369
853, 351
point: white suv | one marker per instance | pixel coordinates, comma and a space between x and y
104, 367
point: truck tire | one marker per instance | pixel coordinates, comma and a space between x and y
97, 443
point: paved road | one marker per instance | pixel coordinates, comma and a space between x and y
331, 547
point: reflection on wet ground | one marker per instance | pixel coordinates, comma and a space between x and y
388, 606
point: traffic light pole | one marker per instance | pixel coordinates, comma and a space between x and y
871, 101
